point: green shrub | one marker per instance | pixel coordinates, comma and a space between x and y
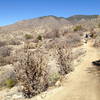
99, 25
78, 28
7, 76
39, 37
54, 78
28, 36
10, 83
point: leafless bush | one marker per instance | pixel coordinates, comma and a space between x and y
65, 60
32, 68
32, 74
2, 43
5, 51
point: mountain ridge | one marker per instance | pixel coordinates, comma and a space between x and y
71, 18
77, 18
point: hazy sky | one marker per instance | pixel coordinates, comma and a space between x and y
14, 10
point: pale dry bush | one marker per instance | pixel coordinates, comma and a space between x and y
14, 42
74, 39
32, 68
5, 55
5, 51
63, 52
31, 73
3, 43
6, 73
65, 60
52, 34
6, 60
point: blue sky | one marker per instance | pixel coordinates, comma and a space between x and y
15, 10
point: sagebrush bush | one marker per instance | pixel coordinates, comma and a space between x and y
52, 34
5, 55
93, 33
39, 37
7, 76
31, 73
5, 51
2, 43
65, 59
99, 25
74, 39
14, 42
97, 41
53, 78
28, 36
10, 83
78, 28
5, 60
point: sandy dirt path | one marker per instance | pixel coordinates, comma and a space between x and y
81, 84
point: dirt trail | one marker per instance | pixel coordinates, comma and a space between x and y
81, 84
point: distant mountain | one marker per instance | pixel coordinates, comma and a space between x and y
47, 26
77, 18
51, 22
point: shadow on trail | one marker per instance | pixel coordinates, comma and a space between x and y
94, 70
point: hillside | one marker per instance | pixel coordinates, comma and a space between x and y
77, 18
51, 22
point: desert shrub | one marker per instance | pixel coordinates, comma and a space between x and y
33, 72
53, 78
5, 57
28, 36
5, 51
10, 83
65, 60
99, 25
52, 34
74, 39
78, 28
39, 37
93, 33
97, 41
2, 61
14, 42
5, 60
8, 77
2, 43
